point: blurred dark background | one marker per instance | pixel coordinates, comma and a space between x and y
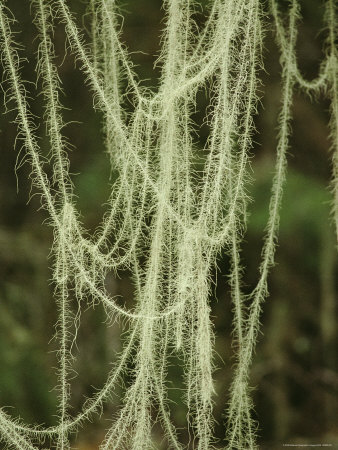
295, 366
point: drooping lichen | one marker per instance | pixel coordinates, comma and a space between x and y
192, 217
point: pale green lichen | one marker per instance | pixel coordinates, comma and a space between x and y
192, 217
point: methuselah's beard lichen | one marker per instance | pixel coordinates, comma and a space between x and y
193, 216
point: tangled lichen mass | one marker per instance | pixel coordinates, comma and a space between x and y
166, 222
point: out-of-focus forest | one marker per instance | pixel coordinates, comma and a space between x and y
294, 374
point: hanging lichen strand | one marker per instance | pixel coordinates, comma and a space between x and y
165, 223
